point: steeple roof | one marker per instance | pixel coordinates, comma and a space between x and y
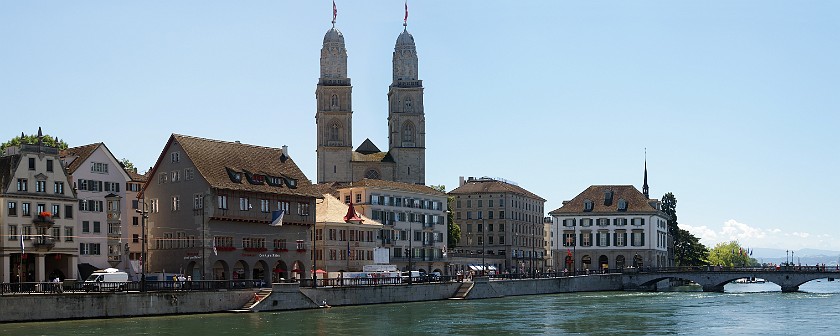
367, 147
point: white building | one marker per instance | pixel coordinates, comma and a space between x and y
413, 218
610, 226
96, 173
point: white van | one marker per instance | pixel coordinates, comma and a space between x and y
109, 278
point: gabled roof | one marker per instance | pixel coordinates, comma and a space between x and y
636, 201
367, 147
333, 210
215, 159
135, 177
400, 186
82, 153
486, 185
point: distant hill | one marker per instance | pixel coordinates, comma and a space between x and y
804, 256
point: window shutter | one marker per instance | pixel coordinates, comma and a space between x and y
615, 237
608, 238
643, 238
643, 223
117, 186
590, 239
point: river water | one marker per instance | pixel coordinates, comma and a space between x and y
744, 309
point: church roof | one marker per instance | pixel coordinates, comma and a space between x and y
605, 199
373, 157
367, 147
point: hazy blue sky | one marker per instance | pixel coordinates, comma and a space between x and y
735, 101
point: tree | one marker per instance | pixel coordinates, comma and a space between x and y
127, 164
688, 251
33, 139
453, 236
730, 254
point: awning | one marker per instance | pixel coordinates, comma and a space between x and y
474, 267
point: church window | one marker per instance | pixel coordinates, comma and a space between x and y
372, 174
408, 105
408, 132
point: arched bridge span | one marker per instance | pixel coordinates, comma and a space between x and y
713, 280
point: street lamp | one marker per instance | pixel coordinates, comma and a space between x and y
144, 217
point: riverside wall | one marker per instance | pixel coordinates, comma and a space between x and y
39, 307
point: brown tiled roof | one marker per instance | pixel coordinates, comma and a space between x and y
493, 186
418, 188
82, 153
374, 157
328, 188
212, 158
636, 201
332, 210
136, 177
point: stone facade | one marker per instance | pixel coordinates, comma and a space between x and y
502, 226
405, 160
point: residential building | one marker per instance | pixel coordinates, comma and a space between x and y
413, 218
38, 216
96, 173
502, 227
133, 219
610, 226
344, 241
405, 160
209, 205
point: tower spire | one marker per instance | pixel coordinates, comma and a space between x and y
645, 189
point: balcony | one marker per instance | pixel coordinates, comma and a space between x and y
43, 243
43, 220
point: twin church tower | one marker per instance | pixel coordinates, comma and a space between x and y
405, 160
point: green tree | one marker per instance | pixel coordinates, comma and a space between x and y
33, 139
730, 254
127, 164
453, 236
688, 251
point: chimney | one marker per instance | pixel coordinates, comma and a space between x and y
285, 150
461, 181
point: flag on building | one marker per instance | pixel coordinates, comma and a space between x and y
277, 217
215, 252
405, 20
22, 248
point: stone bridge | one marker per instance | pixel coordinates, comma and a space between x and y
714, 280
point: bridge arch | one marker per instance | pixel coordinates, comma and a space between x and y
713, 281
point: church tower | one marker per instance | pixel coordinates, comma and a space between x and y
406, 118
334, 114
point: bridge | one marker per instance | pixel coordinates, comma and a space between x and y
713, 278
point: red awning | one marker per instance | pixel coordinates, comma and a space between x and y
297, 271
279, 270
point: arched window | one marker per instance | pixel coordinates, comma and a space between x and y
334, 133
408, 132
408, 105
372, 174
334, 101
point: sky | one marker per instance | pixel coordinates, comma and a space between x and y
734, 102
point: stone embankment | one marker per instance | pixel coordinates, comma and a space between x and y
39, 307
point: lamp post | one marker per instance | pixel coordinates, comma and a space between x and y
410, 239
144, 217
483, 250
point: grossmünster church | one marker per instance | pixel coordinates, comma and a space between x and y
405, 159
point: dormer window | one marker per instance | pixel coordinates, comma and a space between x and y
608, 197
273, 181
587, 205
254, 178
235, 176
291, 183
622, 205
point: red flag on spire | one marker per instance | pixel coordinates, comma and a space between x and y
335, 12
405, 20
